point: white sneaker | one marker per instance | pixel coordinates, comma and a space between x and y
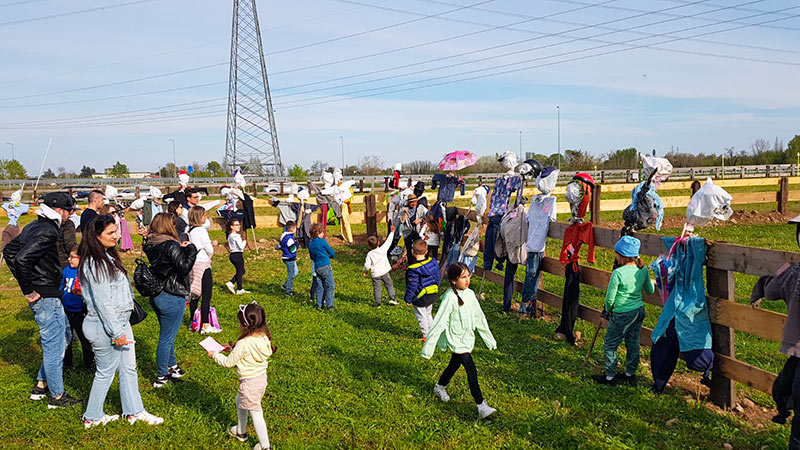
231, 287
242, 291
210, 330
485, 411
101, 421
441, 393
259, 447
145, 417
393, 303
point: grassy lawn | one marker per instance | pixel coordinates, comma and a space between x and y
353, 378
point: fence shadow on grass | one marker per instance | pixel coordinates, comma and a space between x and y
381, 368
195, 396
360, 320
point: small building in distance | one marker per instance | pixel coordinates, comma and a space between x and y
137, 175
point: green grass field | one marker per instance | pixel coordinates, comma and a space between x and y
353, 378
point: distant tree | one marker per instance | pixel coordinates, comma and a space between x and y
317, 167
418, 167
370, 165
350, 170
62, 173
297, 173
87, 172
578, 160
215, 168
13, 170
794, 146
626, 158
118, 170
48, 173
778, 146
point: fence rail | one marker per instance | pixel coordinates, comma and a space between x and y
725, 314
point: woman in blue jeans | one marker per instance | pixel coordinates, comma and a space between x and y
171, 262
109, 302
321, 253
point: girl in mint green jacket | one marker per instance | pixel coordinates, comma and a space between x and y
454, 326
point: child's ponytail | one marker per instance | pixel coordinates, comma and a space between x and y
453, 272
639, 262
252, 320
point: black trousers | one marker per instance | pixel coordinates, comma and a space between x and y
456, 361
782, 388
237, 259
409, 241
76, 323
571, 302
206, 289
433, 252
794, 437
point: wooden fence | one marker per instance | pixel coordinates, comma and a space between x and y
726, 315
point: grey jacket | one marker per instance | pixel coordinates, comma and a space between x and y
110, 301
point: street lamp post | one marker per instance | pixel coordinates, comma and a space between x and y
12, 149
520, 146
174, 163
342, 139
558, 110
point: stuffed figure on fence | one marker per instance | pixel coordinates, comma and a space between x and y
541, 212
579, 232
14, 209
394, 182
785, 285
504, 187
646, 208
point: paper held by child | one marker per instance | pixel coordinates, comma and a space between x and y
211, 345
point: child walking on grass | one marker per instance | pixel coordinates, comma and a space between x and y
378, 266
626, 310
422, 285
321, 253
289, 256
458, 318
236, 245
249, 355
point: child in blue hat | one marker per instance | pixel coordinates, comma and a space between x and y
626, 311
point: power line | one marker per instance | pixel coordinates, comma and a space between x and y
25, 2
72, 13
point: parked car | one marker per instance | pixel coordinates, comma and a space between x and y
130, 193
275, 188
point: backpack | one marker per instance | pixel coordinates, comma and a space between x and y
213, 321
145, 281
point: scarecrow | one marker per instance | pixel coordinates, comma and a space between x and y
14, 209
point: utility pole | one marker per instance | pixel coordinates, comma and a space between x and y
342, 139
174, 163
558, 109
12, 149
520, 147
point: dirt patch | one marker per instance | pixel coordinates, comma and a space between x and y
739, 217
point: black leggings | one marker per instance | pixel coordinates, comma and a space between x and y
207, 285
465, 359
237, 259
75, 320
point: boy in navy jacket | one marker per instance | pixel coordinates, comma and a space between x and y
75, 311
289, 256
422, 285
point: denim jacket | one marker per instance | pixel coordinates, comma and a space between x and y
110, 301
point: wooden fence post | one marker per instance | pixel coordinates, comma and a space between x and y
692, 174
255, 189
695, 186
385, 184
741, 172
602, 176
783, 195
722, 285
768, 171
282, 188
372, 215
138, 189
628, 176
361, 186
595, 205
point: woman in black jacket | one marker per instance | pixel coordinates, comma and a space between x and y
170, 261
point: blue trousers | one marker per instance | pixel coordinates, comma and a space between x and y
664, 357
533, 269
508, 285
326, 286
291, 274
492, 228
55, 333
169, 310
623, 326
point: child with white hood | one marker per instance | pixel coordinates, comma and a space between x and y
541, 212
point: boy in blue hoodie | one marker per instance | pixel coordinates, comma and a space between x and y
75, 310
422, 286
289, 256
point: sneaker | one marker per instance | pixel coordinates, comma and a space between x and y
706, 381
601, 379
211, 330
38, 393
101, 421
441, 393
560, 337
242, 291
160, 382
259, 447
392, 303
64, 401
145, 417
233, 431
630, 380
176, 371
485, 411
231, 287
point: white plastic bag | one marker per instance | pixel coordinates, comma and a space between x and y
547, 179
662, 166
708, 203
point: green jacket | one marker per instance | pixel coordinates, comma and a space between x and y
624, 292
454, 326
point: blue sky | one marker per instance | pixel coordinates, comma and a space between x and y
710, 88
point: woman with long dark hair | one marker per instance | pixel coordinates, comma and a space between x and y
109, 302
170, 261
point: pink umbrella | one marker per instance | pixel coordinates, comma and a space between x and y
457, 160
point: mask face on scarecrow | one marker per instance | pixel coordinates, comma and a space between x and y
184, 178
509, 160
155, 193
398, 167
302, 193
579, 193
547, 179
479, 200
327, 179
16, 197
110, 194
530, 169
337, 176
238, 178
661, 166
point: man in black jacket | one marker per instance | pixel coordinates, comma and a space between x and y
32, 258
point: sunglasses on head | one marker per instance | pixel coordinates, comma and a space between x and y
241, 310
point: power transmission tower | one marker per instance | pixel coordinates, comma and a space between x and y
252, 139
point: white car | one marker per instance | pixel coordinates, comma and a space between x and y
130, 193
275, 188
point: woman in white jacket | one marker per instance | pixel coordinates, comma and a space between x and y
202, 282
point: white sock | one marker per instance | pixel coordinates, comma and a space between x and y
609, 378
628, 374
261, 428
242, 425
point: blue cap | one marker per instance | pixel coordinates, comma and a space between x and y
628, 246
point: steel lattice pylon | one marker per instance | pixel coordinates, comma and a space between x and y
252, 139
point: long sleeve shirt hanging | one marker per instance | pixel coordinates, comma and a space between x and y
501, 194
448, 184
575, 236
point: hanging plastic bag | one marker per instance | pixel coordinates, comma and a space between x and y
661, 166
708, 203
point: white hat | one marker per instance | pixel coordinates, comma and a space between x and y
155, 192
398, 167
302, 193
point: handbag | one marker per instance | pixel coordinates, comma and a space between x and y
145, 281
138, 314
